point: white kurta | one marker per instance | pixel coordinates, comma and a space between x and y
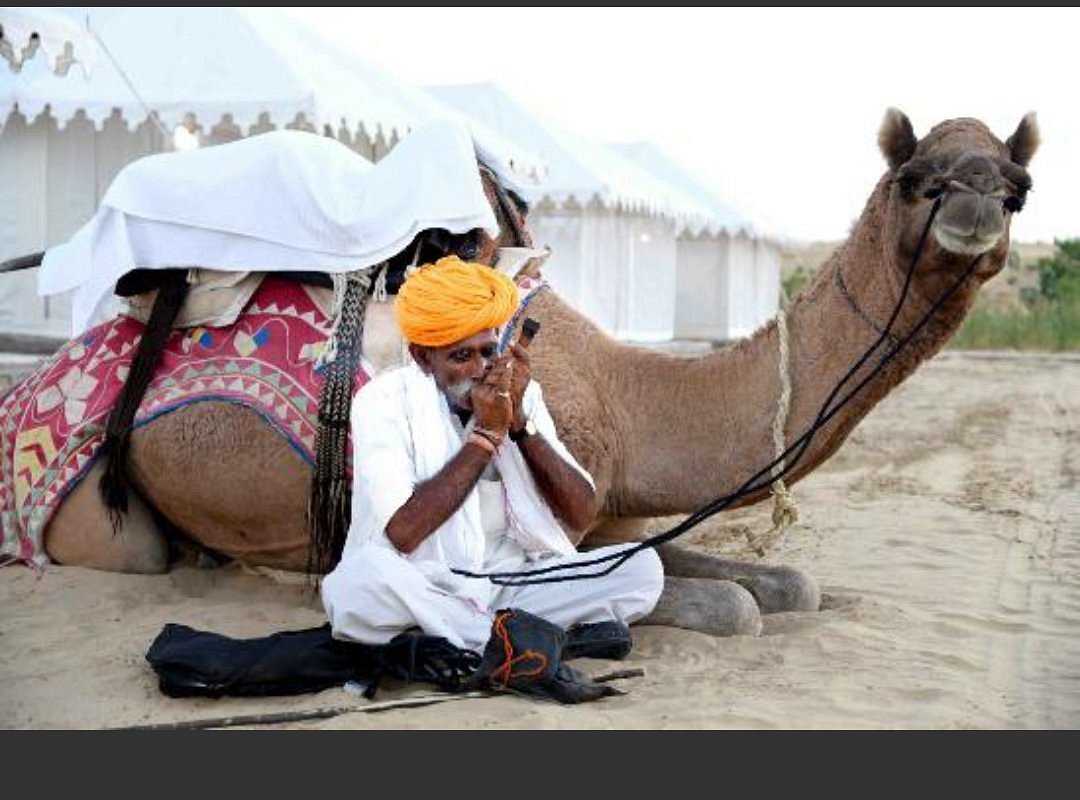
403, 434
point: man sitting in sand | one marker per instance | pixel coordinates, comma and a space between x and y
458, 465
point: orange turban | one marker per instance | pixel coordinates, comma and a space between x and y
451, 300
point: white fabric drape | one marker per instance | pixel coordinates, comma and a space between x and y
281, 201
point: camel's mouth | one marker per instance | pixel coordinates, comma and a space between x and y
968, 245
970, 222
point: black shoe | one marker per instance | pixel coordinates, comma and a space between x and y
597, 640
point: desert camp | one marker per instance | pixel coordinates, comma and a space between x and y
341, 391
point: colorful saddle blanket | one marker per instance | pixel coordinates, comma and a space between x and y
52, 424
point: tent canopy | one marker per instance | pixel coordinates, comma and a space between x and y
650, 157
251, 67
577, 170
62, 40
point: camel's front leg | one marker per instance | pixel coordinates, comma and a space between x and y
776, 588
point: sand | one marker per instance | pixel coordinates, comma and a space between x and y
945, 535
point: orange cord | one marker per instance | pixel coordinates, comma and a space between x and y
503, 674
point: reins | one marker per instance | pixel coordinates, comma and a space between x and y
798, 447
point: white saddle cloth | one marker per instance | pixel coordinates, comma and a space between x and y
280, 201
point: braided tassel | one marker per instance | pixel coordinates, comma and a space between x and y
331, 500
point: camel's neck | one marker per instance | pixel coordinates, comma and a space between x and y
700, 427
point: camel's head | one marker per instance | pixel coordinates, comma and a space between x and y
510, 211
980, 180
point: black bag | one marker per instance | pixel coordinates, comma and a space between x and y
198, 663
525, 654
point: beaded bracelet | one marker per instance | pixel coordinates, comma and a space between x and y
482, 441
489, 434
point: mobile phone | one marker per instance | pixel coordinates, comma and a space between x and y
529, 329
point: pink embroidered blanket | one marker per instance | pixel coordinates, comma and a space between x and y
52, 424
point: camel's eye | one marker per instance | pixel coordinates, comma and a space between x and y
913, 175
909, 180
1014, 203
1017, 184
908, 183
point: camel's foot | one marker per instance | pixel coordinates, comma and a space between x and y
81, 535
719, 608
776, 588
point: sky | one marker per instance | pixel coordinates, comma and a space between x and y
777, 109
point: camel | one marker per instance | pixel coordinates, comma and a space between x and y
660, 434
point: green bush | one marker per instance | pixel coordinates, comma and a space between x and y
794, 283
1048, 326
1050, 318
1059, 275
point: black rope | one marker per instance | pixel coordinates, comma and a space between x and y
115, 481
825, 414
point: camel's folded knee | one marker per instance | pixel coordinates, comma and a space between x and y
776, 588
783, 589
719, 608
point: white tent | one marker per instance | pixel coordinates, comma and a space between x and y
728, 273
612, 226
221, 74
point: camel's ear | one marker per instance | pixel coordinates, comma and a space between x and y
1025, 141
896, 138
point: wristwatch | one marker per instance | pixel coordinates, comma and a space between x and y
528, 430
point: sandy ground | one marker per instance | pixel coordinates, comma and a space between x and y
946, 536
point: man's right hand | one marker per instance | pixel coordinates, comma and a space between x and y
491, 400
